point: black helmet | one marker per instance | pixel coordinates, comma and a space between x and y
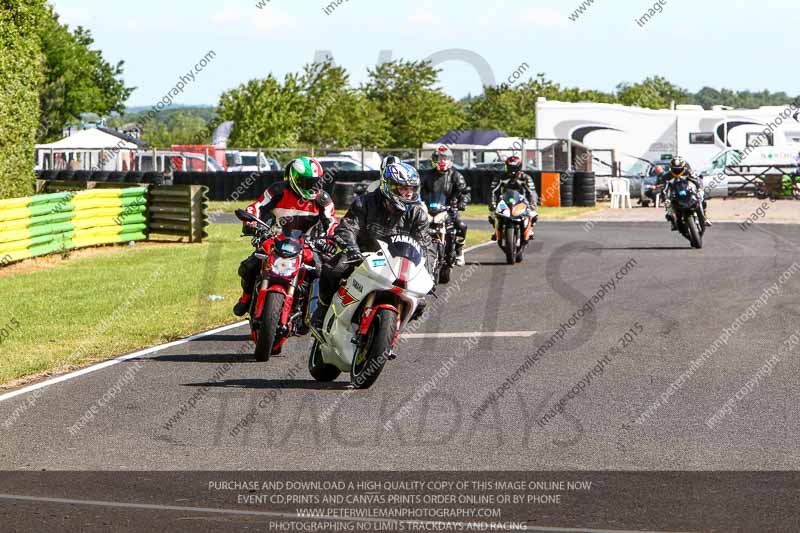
514, 166
678, 167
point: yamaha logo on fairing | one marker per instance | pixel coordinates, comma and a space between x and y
405, 239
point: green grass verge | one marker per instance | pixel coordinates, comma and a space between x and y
227, 207
91, 308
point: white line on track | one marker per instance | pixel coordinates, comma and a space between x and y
148, 351
287, 516
112, 362
467, 334
481, 245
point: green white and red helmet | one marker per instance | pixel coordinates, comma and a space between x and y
305, 177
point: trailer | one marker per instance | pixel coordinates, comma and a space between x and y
707, 139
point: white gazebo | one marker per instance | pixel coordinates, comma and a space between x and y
90, 149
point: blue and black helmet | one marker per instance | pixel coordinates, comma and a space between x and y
400, 185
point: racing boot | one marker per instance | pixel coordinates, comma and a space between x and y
671, 220
460, 260
706, 220
420, 310
243, 305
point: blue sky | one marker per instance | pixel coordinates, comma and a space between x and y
736, 44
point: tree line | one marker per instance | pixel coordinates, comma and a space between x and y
49, 75
402, 105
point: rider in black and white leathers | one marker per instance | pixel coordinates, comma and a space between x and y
514, 179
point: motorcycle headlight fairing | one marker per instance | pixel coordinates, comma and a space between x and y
519, 210
284, 266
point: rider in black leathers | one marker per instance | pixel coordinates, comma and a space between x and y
514, 179
392, 209
679, 168
443, 178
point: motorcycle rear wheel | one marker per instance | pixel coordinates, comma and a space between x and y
268, 331
370, 359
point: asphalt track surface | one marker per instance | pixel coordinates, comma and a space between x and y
676, 300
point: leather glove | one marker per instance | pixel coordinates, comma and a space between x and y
353, 254
248, 229
326, 247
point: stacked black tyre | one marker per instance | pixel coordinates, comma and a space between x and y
48, 174
156, 178
584, 189
567, 189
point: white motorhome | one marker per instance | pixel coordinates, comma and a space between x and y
705, 138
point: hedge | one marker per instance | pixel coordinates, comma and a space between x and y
20, 79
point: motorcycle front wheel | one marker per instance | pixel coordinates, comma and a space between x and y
268, 331
511, 245
694, 233
319, 370
373, 353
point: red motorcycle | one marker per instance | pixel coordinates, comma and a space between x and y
280, 307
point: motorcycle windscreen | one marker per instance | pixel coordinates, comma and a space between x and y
435, 202
405, 259
407, 250
512, 198
289, 243
683, 195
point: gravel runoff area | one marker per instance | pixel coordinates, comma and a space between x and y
739, 210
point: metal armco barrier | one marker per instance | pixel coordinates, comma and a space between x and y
178, 210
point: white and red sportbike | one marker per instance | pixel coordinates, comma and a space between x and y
362, 325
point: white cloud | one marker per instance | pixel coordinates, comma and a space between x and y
251, 20
543, 17
270, 19
422, 18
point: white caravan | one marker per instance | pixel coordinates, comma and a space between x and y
705, 138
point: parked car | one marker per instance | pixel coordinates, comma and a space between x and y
372, 159
249, 162
342, 163
648, 181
